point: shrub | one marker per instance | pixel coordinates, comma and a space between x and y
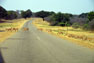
79, 20
85, 27
91, 25
75, 25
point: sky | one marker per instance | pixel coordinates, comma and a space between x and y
64, 6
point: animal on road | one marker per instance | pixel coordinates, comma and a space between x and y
40, 29
25, 29
12, 29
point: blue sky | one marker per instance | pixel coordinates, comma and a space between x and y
64, 6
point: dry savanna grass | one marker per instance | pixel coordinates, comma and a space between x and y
79, 36
9, 27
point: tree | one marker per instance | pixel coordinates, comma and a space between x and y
57, 17
11, 15
26, 13
91, 15
60, 18
51, 13
67, 16
83, 15
23, 14
3, 12
43, 14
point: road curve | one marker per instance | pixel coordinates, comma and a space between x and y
34, 46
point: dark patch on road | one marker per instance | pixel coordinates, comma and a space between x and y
16, 39
1, 58
3, 47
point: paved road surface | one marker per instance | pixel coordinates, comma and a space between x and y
34, 46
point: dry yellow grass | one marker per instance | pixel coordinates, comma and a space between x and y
78, 36
16, 23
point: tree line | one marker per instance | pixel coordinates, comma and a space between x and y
14, 14
84, 20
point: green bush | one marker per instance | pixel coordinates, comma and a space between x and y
76, 25
85, 27
91, 25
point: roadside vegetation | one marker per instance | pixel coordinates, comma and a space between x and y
78, 28
83, 21
79, 36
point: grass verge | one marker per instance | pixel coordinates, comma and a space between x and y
78, 36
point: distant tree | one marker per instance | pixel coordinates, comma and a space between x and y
60, 18
23, 14
43, 14
11, 15
3, 12
91, 15
26, 14
51, 13
57, 17
67, 17
83, 15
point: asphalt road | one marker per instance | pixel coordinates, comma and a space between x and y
34, 46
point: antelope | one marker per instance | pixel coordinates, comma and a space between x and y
48, 30
60, 33
8, 29
40, 29
15, 29
25, 29
71, 35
